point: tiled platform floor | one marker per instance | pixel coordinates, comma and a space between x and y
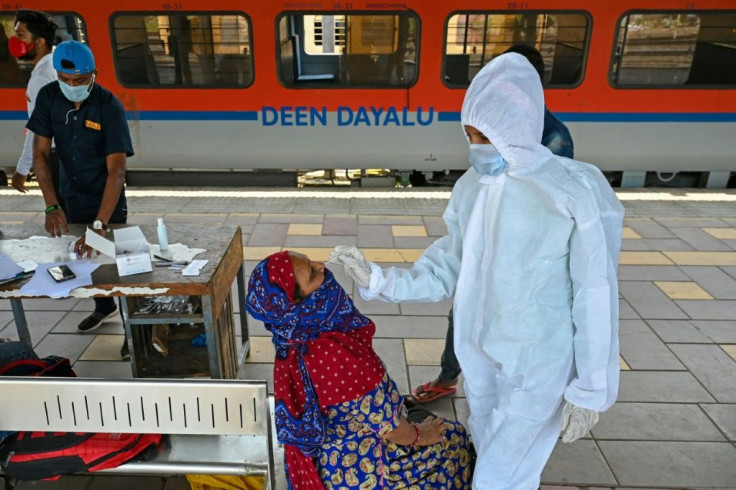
674, 425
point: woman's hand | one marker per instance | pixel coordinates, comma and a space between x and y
432, 431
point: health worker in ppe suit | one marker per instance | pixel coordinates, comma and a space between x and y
530, 258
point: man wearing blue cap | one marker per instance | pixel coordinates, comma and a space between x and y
93, 141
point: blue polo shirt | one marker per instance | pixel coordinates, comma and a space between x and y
556, 136
84, 138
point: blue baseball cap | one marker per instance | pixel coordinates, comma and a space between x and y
73, 57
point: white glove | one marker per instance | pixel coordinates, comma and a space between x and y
576, 422
356, 267
348, 250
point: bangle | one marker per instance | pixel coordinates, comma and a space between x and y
418, 437
51, 208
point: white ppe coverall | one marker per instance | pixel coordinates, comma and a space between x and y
530, 257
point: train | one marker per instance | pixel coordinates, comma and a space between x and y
646, 87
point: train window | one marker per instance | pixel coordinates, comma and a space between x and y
183, 50
348, 50
675, 49
16, 72
474, 39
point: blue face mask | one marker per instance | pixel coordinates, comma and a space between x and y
486, 160
77, 93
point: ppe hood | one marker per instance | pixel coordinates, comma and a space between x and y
505, 101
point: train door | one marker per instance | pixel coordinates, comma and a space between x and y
340, 60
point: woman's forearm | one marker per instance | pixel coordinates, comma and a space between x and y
404, 435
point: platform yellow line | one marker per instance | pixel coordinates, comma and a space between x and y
259, 253
409, 230
623, 365
413, 254
305, 229
702, 258
721, 233
643, 258
320, 254
730, 350
323, 253
682, 290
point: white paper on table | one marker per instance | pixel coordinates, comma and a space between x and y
41, 249
177, 252
42, 284
92, 239
194, 268
8, 267
28, 265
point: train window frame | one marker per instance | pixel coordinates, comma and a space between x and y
614, 59
55, 13
586, 42
324, 84
146, 13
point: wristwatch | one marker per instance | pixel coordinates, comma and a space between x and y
99, 225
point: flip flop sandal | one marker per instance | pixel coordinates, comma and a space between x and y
435, 393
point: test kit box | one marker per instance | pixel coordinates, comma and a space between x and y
129, 248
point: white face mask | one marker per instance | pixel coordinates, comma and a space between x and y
77, 93
486, 160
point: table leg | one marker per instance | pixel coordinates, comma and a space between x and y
21, 325
243, 314
129, 335
213, 340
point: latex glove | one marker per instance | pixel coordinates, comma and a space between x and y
353, 260
576, 422
345, 250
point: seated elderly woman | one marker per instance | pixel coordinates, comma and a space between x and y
338, 413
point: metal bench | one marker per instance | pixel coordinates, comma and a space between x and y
218, 427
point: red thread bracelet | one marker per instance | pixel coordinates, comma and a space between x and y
419, 436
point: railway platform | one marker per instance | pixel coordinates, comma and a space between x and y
674, 424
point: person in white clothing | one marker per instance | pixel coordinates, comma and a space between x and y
531, 258
33, 41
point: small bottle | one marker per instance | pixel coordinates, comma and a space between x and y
163, 239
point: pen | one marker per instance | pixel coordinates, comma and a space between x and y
171, 264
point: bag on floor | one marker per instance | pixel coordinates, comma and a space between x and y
48, 455
19, 359
53, 366
12, 350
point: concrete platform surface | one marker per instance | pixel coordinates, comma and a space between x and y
674, 425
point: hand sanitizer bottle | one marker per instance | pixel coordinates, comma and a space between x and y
163, 239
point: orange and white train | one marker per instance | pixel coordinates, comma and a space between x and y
647, 88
